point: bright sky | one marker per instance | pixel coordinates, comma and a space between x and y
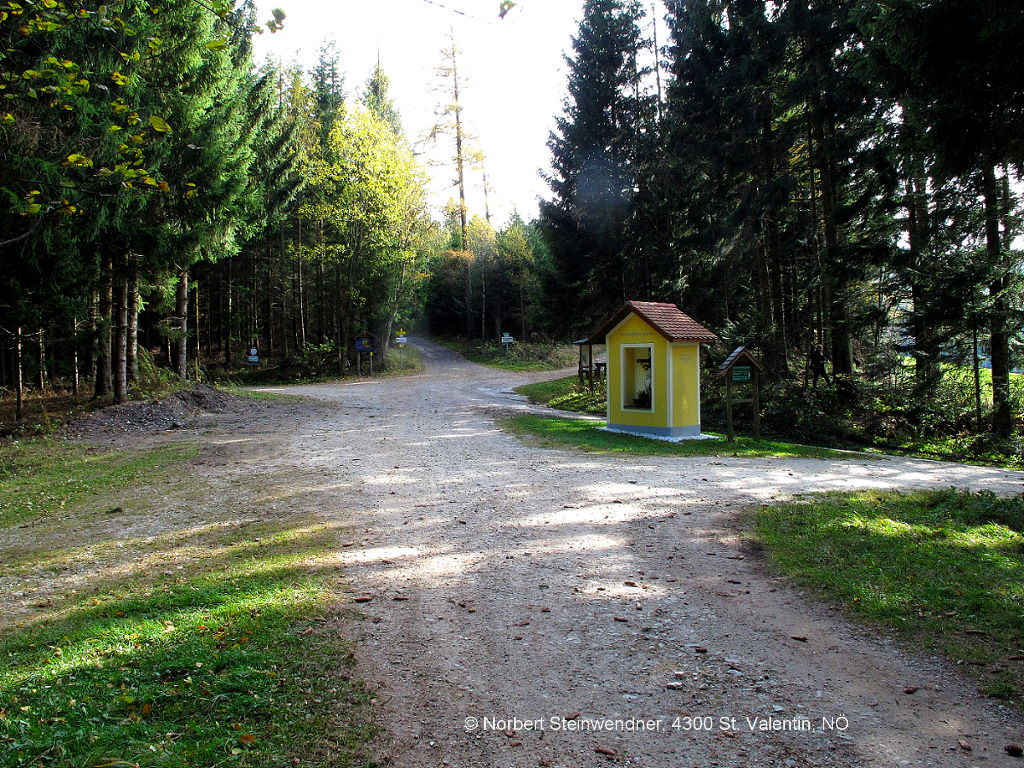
514, 77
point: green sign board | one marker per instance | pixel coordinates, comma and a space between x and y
741, 373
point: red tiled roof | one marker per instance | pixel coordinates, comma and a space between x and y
666, 319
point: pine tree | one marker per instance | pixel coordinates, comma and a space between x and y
328, 90
594, 157
378, 99
727, 148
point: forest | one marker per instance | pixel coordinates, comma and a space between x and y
840, 173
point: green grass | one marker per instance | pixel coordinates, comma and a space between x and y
520, 356
566, 395
587, 435
260, 394
981, 450
213, 667
404, 361
943, 569
213, 644
41, 476
542, 392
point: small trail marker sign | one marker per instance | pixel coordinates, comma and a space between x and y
506, 339
401, 338
254, 356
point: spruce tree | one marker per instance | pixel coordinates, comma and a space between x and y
378, 99
594, 152
727, 145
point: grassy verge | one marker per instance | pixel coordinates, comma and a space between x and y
553, 432
42, 476
944, 569
214, 649
520, 356
262, 394
566, 395
982, 450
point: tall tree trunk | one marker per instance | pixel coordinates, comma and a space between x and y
837, 284
302, 286
778, 355
229, 318
210, 315
269, 321
469, 293
94, 336
120, 318
999, 336
19, 381
132, 342
976, 367
321, 321
522, 313
103, 384
41, 337
75, 383
197, 358
926, 344
181, 311
339, 340
460, 167
483, 303
255, 327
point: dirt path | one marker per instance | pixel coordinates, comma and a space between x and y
513, 582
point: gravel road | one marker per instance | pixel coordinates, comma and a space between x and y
523, 597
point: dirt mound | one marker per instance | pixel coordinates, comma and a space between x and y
208, 399
175, 411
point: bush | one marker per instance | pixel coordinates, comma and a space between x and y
153, 379
318, 360
520, 356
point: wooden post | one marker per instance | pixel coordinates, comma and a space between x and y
728, 404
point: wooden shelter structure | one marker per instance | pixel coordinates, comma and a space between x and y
590, 370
